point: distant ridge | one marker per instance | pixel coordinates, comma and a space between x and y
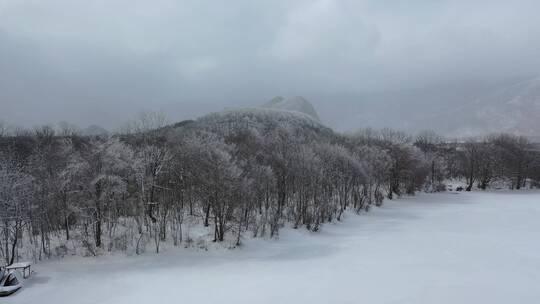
297, 103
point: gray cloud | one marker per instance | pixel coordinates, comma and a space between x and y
103, 61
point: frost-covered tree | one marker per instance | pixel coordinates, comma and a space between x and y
514, 154
235, 173
432, 147
16, 193
106, 167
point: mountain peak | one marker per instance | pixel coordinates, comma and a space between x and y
296, 103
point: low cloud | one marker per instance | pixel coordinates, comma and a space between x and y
74, 60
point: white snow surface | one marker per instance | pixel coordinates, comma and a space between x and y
432, 248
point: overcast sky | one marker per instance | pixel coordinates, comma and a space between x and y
102, 61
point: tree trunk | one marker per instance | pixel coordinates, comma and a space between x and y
98, 232
206, 215
66, 226
14, 244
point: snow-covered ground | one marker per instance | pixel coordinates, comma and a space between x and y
439, 248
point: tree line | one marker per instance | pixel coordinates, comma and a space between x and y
235, 173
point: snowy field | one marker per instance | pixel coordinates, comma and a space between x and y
440, 248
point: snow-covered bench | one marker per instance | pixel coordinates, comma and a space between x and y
22, 265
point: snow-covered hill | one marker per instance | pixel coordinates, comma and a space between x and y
262, 119
297, 103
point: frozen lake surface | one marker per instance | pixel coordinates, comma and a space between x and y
432, 248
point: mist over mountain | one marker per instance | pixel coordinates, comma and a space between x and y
513, 109
456, 111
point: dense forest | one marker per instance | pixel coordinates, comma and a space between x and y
237, 173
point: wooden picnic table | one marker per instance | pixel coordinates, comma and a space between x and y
21, 265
